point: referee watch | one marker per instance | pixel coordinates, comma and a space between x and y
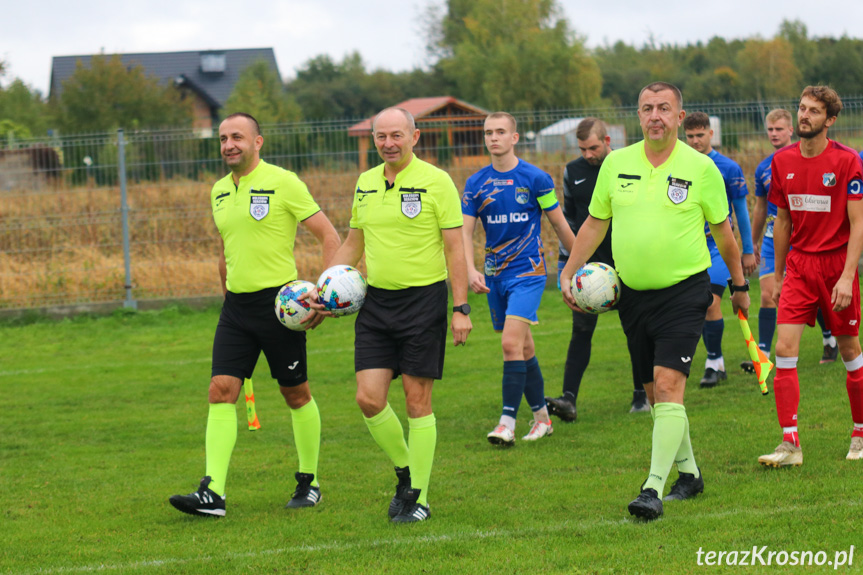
465, 308
733, 288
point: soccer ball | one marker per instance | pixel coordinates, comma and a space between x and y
290, 310
342, 290
596, 287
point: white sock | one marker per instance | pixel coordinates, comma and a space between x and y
718, 364
507, 421
831, 341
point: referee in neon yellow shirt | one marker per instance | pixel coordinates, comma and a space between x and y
257, 208
659, 193
406, 218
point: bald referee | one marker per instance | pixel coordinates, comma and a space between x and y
406, 219
659, 193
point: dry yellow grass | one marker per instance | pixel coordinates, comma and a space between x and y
64, 245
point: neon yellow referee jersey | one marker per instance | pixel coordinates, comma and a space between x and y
658, 234
402, 224
258, 223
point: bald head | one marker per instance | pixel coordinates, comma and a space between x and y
395, 136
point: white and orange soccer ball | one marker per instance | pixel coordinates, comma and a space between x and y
342, 290
596, 287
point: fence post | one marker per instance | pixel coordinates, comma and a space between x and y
127, 260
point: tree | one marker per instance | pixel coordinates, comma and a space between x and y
516, 55
109, 95
805, 50
22, 111
327, 89
767, 69
840, 64
259, 91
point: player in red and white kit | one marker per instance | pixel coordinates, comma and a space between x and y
817, 185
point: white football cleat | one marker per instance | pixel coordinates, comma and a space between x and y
502, 435
785, 454
538, 429
856, 449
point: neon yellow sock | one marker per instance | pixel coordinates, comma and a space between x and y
306, 422
685, 458
422, 440
387, 431
668, 428
221, 438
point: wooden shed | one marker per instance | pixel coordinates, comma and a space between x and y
449, 129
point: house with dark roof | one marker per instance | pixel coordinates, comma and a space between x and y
445, 123
208, 76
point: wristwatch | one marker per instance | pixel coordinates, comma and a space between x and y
733, 288
463, 309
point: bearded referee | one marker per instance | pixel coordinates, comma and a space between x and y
659, 193
256, 209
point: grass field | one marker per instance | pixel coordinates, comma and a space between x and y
104, 418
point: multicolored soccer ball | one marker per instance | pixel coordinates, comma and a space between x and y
342, 290
596, 287
290, 309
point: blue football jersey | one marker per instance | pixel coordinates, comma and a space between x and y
510, 206
732, 174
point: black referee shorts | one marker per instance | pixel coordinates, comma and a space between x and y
663, 326
247, 326
403, 330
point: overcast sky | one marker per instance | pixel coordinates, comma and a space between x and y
388, 34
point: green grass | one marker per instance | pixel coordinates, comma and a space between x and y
104, 418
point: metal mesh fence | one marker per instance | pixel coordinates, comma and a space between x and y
61, 239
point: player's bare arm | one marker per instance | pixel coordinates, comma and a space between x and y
476, 280
321, 227
561, 227
590, 235
453, 245
723, 235
842, 291
223, 267
759, 220
349, 254
741, 214
781, 242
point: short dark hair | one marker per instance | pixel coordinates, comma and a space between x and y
659, 87
827, 96
696, 120
249, 117
590, 126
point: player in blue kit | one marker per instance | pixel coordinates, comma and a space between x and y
698, 136
779, 132
509, 197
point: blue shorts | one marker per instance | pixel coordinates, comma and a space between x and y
718, 271
514, 297
768, 258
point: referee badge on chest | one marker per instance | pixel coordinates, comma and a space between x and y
412, 205
678, 190
259, 207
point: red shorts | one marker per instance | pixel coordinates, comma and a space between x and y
808, 285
